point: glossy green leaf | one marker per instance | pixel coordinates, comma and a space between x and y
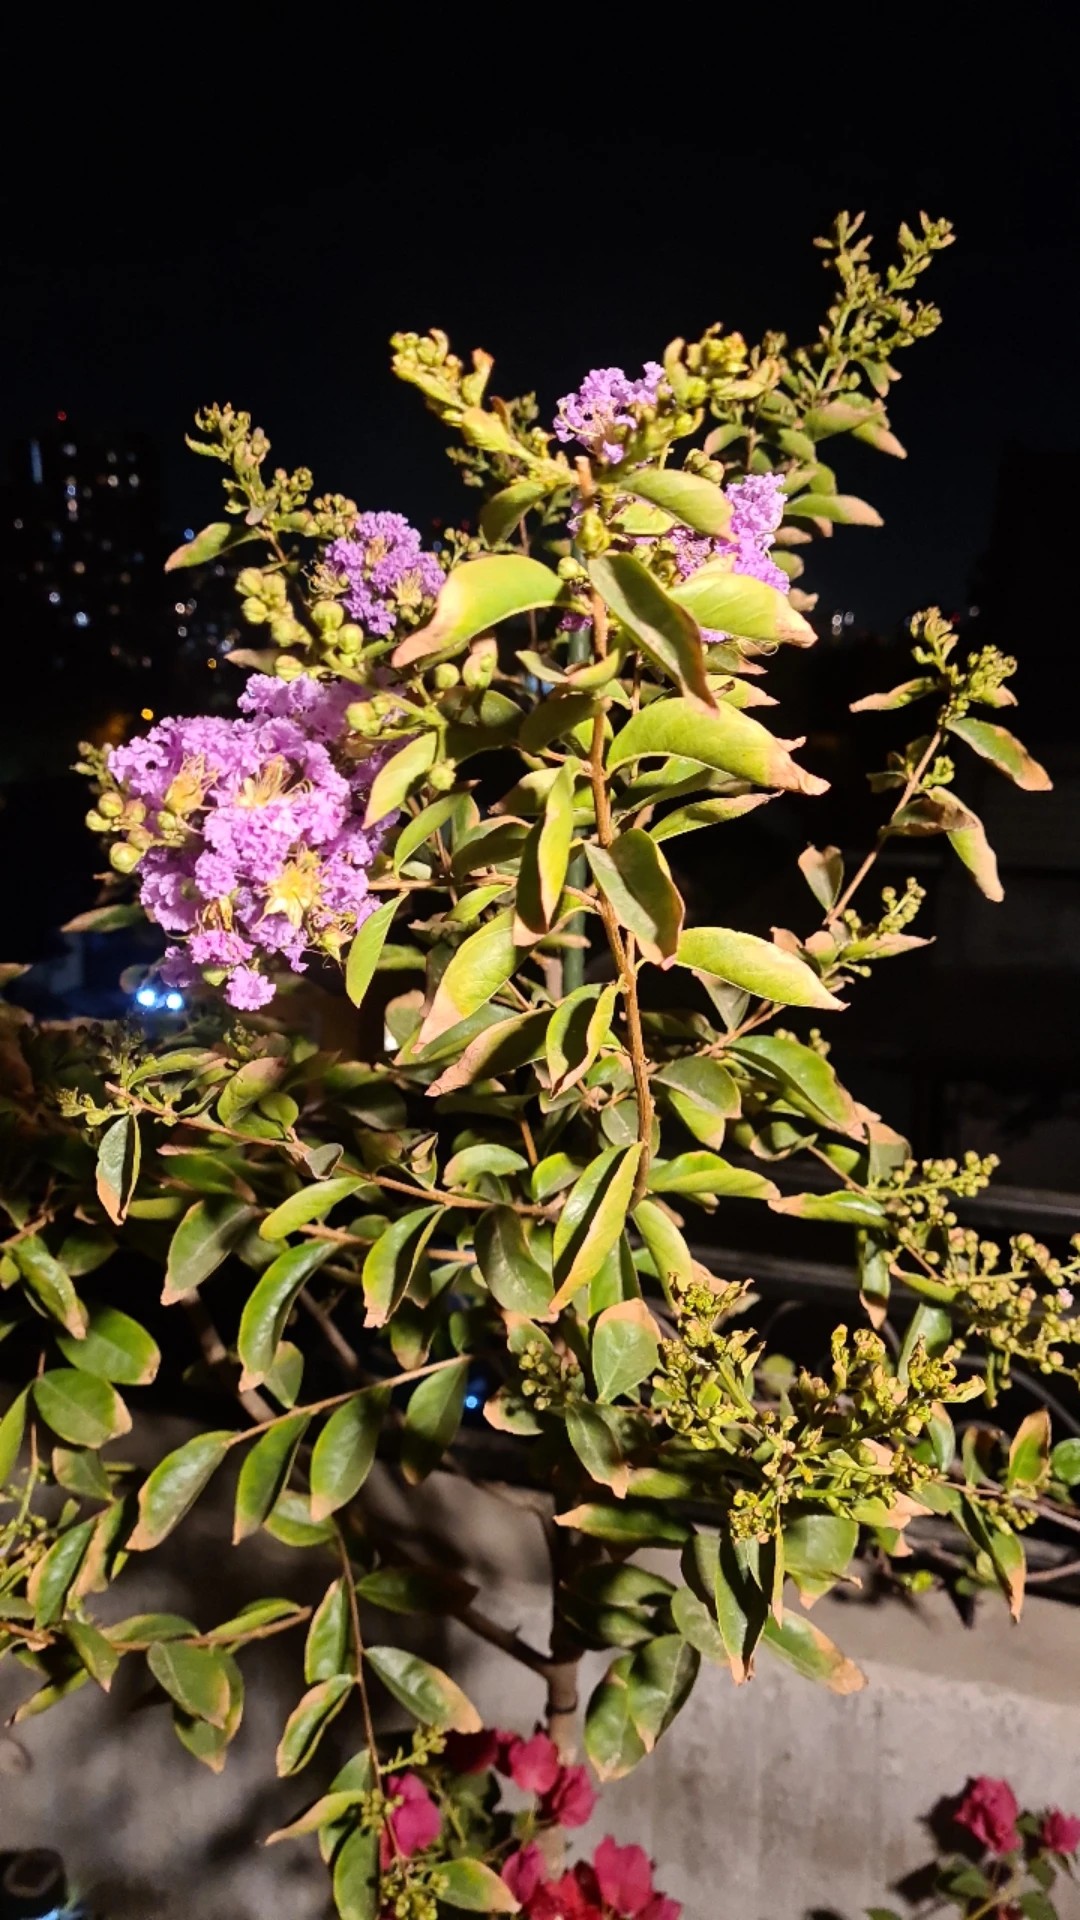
1029, 1451
749, 609
544, 861
514, 1279
812, 1654
366, 949
325, 1811
265, 1473
475, 597
472, 1162
49, 1284
558, 717
118, 1161
805, 1077
328, 1644
254, 1621
667, 1249
345, 1450
625, 1347
12, 1429
249, 1085
754, 965
661, 1677
309, 1720
115, 1347
625, 1525
704, 1096
432, 1418
576, 1032
424, 1690
415, 1590
636, 880
844, 508
96, 1653
204, 1239
481, 965
688, 497
818, 1548
593, 1436
311, 1203
1004, 751
664, 630
707, 813
730, 741
356, 1876
389, 788
502, 513
499, 1049
82, 1409
706, 1172
592, 1218
390, 1263
262, 1322
1065, 1462
471, 1885
48, 1585
173, 1487
929, 1325
611, 1741
853, 1209
417, 831
694, 1621
195, 1677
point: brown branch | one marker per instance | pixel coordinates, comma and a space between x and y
910, 787
216, 1355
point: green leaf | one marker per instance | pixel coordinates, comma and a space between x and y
1004, 751
1064, 1462
425, 1691
688, 497
356, 1876
95, 1652
845, 508
115, 1347
481, 965
475, 597
754, 965
203, 1240
264, 1474
475, 1887
741, 1597
805, 1077
730, 741
253, 1621
852, 1209
575, 1033
502, 513
735, 604
207, 545
635, 878
625, 1347
173, 1487
12, 1428
309, 1720
390, 1263
49, 1283
472, 1162
108, 919
262, 1322
389, 788
82, 1409
597, 1445
662, 628
625, 1525
1029, 1452
707, 813
195, 1677
812, 1654
939, 811
513, 1278
365, 951
704, 1096
817, 1551
661, 1677
423, 825
666, 1247
118, 1161
311, 1203
611, 1741
48, 1585
432, 1418
331, 1807
247, 1087
544, 861
709, 1173
345, 1449
326, 1649
499, 1049
930, 1324
415, 1590
697, 1626
591, 1221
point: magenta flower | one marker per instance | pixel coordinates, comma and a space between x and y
388, 574
1060, 1832
989, 1810
474, 1752
571, 1799
523, 1872
624, 1876
604, 411
413, 1823
568, 1898
533, 1765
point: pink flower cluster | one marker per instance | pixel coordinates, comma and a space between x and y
604, 411
757, 508
990, 1810
617, 1884
259, 850
565, 1794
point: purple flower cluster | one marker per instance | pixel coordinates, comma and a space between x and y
757, 508
260, 851
601, 413
388, 573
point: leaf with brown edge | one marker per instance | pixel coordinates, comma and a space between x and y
939, 811
1004, 751
635, 879
544, 861
481, 965
901, 696
749, 609
592, 1218
754, 965
497, 1050
173, 1487
118, 1166
727, 740
1029, 1452
424, 1690
475, 597
708, 813
576, 1031
812, 1653
309, 1720
50, 1284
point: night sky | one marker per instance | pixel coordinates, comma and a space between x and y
154, 280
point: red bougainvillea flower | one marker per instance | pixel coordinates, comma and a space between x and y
533, 1765
414, 1821
624, 1876
988, 1810
568, 1898
524, 1872
1060, 1832
571, 1800
475, 1752
661, 1907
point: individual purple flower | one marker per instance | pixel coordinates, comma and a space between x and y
388, 573
260, 851
601, 414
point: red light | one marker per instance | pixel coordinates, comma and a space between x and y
61, 415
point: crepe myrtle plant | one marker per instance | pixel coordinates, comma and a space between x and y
457, 789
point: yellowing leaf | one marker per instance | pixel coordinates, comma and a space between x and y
482, 964
475, 597
749, 609
364, 953
544, 861
754, 965
726, 739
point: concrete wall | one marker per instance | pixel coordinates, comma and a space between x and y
767, 1803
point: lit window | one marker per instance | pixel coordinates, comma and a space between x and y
36, 473
146, 997
82, 619
54, 598
189, 532
174, 1001
180, 606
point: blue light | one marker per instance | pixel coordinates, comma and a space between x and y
174, 1001
472, 1401
189, 533
82, 619
146, 997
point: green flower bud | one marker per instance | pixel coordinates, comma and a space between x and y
480, 664
383, 704
442, 776
167, 822
592, 535
134, 813
123, 857
254, 612
327, 615
570, 569
250, 583
446, 675
350, 636
288, 667
288, 632
140, 837
97, 822
111, 805
215, 976
361, 719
